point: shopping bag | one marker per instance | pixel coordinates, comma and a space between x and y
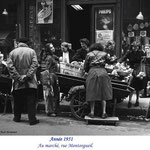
45, 75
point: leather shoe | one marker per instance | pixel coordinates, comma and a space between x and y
129, 104
34, 122
91, 115
104, 116
136, 104
53, 115
15, 119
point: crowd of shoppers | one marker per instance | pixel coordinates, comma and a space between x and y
27, 72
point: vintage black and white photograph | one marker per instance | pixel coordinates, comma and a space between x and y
72, 70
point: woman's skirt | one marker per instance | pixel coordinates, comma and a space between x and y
98, 85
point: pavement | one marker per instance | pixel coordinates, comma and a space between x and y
141, 110
122, 111
131, 122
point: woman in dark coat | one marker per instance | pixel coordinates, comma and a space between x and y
81, 53
98, 83
134, 55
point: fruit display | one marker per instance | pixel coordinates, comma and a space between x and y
119, 69
77, 64
123, 70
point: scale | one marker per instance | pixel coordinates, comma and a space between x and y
101, 121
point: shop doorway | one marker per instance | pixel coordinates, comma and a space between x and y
79, 24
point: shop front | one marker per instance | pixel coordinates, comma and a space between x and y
98, 21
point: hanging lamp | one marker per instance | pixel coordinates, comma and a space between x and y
140, 15
5, 12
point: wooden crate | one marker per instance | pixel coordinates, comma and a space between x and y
70, 69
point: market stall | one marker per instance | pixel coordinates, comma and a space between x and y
72, 84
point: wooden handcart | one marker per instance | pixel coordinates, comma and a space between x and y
78, 105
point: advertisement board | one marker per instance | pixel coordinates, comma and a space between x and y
104, 24
44, 11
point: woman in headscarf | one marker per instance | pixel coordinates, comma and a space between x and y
98, 83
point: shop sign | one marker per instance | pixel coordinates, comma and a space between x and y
44, 11
103, 24
103, 36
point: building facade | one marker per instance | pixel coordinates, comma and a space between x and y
56, 21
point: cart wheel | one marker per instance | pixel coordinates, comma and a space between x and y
78, 106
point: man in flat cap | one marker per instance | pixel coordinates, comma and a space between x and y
22, 66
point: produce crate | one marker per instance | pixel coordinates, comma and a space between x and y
70, 69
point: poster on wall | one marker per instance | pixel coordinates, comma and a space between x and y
103, 24
102, 36
44, 11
